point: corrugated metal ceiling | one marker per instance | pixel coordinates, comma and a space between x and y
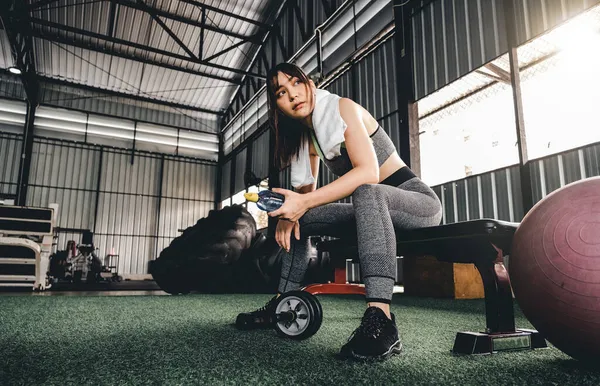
6, 58
60, 47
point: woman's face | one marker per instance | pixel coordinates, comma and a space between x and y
294, 98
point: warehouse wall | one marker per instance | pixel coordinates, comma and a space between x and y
134, 208
497, 194
10, 151
451, 38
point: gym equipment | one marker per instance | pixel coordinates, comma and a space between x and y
223, 253
25, 245
555, 268
201, 258
298, 315
110, 271
480, 242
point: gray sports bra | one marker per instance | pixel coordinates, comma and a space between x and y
340, 165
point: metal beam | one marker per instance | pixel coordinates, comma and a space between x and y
26, 155
41, 4
503, 75
226, 13
261, 54
200, 53
226, 50
300, 21
139, 98
48, 36
404, 85
155, 17
509, 8
19, 37
111, 18
254, 85
181, 19
168, 15
108, 51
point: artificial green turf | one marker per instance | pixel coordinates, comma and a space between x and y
165, 340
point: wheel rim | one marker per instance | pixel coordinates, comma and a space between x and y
303, 316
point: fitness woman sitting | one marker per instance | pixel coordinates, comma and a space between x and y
312, 125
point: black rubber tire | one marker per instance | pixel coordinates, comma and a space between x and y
203, 256
314, 312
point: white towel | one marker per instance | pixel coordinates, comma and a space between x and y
329, 129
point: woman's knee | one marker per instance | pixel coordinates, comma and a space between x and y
366, 192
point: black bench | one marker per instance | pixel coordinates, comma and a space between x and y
483, 243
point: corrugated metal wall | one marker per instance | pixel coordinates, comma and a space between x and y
536, 17
226, 180
10, 151
127, 210
497, 194
187, 196
66, 175
11, 86
240, 169
453, 37
138, 214
260, 156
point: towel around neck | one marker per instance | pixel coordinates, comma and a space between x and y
329, 128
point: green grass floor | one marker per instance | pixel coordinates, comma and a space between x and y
172, 340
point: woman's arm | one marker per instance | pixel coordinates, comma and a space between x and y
365, 169
362, 155
285, 228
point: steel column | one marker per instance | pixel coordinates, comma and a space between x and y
404, 70
515, 80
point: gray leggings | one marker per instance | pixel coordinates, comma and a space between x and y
371, 218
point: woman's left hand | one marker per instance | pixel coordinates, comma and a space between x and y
293, 208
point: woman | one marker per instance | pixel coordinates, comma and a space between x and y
312, 125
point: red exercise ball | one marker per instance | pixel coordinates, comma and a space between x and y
554, 268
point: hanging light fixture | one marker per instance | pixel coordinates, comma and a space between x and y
14, 70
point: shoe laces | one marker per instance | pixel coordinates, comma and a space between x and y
266, 307
372, 325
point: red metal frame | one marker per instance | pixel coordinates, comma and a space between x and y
338, 287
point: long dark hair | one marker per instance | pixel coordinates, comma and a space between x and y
289, 133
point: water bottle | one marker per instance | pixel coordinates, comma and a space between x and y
266, 200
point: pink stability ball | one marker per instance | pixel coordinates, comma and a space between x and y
554, 268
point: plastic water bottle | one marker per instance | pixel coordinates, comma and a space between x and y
266, 200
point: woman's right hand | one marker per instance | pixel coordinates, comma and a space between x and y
283, 233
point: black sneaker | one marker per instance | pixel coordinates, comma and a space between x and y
375, 339
261, 318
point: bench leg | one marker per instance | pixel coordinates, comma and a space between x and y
500, 333
499, 310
